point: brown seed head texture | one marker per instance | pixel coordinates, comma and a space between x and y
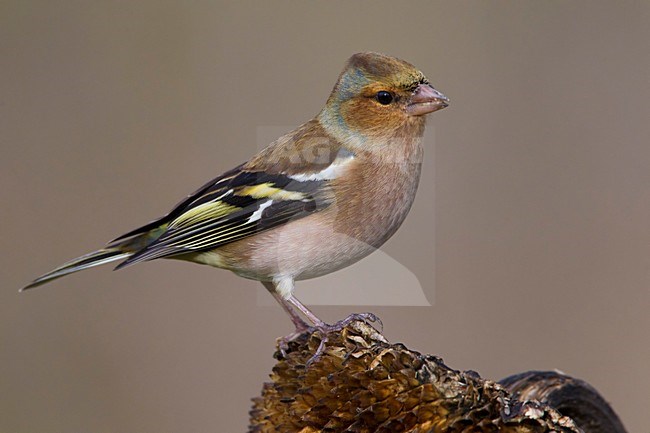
363, 384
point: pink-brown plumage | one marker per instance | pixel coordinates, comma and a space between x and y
319, 198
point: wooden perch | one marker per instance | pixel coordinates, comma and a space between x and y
363, 384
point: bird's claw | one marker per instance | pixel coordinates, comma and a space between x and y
325, 329
367, 318
283, 342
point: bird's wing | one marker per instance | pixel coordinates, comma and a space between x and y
239, 204
306, 151
181, 206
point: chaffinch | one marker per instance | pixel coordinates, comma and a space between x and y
315, 200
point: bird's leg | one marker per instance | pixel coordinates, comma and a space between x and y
325, 329
306, 311
369, 318
301, 325
282, 291
297, 321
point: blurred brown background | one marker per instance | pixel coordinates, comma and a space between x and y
538, 176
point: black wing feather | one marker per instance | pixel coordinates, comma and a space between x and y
203, 234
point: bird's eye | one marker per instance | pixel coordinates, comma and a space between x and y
384, 97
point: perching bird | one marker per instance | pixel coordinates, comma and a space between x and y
315, 200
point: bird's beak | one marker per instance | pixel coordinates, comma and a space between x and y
425, 99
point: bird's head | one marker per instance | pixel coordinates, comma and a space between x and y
377, 95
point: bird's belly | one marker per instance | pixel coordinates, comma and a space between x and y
303, 249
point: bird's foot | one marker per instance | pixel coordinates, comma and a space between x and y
283, 342
324, 329
367, 318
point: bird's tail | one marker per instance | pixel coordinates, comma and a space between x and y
96, 258
120, 248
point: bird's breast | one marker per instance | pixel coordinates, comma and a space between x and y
373, 206
369, 204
